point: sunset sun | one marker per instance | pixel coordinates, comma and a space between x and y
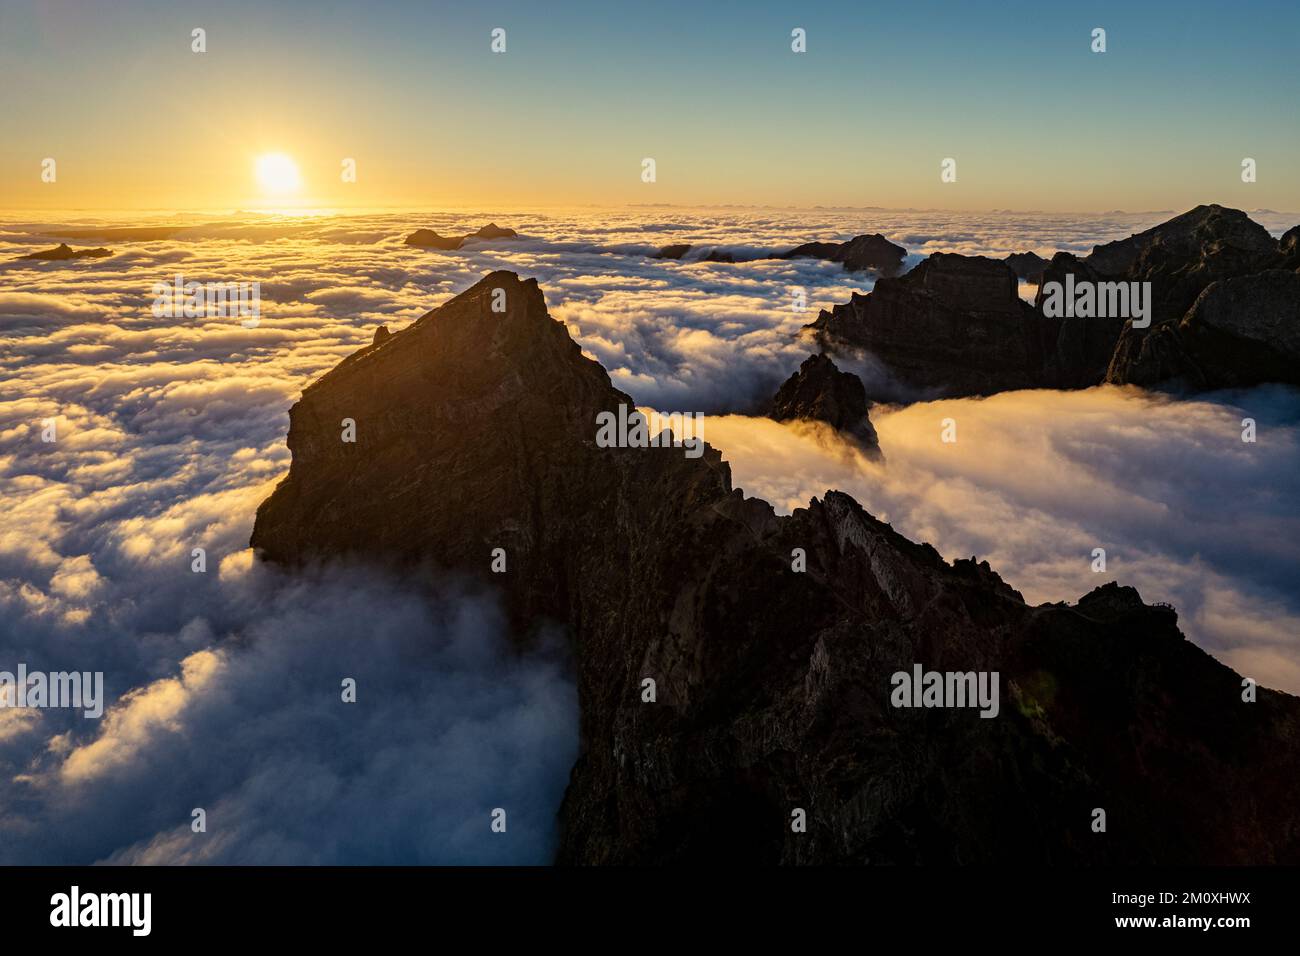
277, 174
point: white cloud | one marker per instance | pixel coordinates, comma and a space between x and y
172, 430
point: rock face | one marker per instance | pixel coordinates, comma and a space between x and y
1076, 350
429, 239
954, 323
674, 251
63, 252
1289, 250
859, 253
1184, 255
1181, 258
1239, 332
821, 392
773, 686
1025, 265
862, 252
493, 231
953, 326
679, 250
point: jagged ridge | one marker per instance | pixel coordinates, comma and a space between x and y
475, 430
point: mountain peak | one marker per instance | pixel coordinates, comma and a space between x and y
770, 640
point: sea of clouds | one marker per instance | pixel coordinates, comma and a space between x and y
224, 686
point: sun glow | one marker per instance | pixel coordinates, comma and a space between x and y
277, 174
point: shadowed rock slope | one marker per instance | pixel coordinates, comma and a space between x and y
476, 430
819, 391
954, 325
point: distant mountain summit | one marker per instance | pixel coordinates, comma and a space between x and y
64, 252
954, 326
953, 321
1026, 265
860, 253
493, 231
429, 239
1247, 335
737, 670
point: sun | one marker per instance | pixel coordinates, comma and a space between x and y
277, 174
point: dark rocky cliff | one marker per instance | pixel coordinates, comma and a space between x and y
954, 323
819, 391
953, 326
475, 430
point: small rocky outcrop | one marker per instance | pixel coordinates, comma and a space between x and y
858, 254
428, 239
381, 335
819, 391
1026, 265
493, 231
64, 252
673, 251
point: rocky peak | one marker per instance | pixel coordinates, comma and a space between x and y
429, 239
1197, 234
673, 251
1209, 271
819, 391
474, 430
967, 283
1026, 265
432, 240
859, 253
493, 231
954, 325
65, 252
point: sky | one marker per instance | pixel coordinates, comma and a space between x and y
713, 93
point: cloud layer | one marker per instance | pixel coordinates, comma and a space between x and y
225, 685
1186, 511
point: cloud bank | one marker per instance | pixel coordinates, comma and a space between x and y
225, 686
1186, 512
